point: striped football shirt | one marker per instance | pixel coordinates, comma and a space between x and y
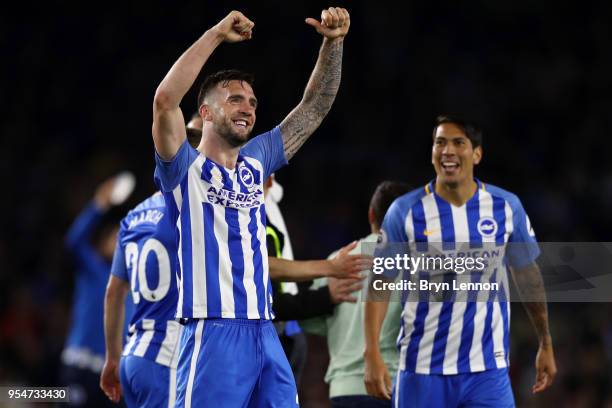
221, 220
146, 258
453, 337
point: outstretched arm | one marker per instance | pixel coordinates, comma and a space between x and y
324, 81
168, 121
344, 265
531, 289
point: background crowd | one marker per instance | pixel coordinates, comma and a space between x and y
78, 86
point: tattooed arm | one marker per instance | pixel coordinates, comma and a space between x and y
324, 82
531, 288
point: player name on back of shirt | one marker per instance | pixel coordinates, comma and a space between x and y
151, 216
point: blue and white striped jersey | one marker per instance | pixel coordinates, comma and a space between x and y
464, 336
221, 221
146, 257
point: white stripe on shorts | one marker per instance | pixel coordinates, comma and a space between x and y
397, 389
172, 388
173, 366
194, 362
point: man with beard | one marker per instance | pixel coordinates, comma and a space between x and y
230, 352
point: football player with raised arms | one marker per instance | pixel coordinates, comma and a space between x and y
230, 353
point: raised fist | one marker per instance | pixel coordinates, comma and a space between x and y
235, 27
335, 23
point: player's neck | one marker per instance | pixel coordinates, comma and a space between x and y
218, 150
459, 194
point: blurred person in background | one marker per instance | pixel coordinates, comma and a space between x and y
91, 241
344, 328
456, 353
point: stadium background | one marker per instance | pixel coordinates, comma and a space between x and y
77, 89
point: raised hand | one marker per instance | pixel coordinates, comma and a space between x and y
235, 27
335, 23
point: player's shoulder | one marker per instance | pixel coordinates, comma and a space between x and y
511, 198
186, 152
367, 245
187, 149
151, 210
251, 148
404, 203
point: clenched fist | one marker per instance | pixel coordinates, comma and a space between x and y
335, 22
235, 27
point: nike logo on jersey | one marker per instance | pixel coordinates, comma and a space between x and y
430, 232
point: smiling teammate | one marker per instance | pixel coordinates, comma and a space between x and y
455, 354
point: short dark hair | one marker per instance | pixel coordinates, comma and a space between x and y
384, 195
223, 77
471, 130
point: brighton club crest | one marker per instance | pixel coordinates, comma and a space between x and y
487, 227
246, 176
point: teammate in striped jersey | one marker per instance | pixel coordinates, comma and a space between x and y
455, 353
145, 263
230, 353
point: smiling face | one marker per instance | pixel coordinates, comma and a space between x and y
453, 156
231, 109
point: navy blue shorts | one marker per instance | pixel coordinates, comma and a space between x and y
484, 389
233, 363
